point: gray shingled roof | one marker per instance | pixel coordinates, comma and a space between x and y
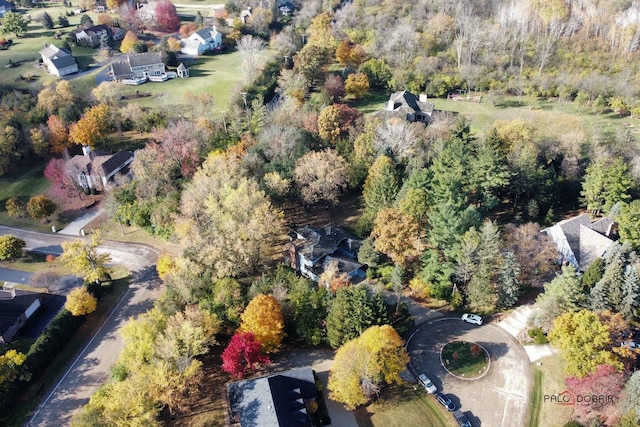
579, 241
116, 161
147, 58
12, 308
314, 243
120, 69
58, 57
273, 401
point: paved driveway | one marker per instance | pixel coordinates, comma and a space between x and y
501, 397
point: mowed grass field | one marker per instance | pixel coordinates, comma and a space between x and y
552, 118
548, 414
219, 74
404, 405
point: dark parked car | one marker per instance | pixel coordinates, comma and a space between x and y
446, 402
462, 419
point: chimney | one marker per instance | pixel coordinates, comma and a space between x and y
86, 150
423, 97
390, 105
46, 45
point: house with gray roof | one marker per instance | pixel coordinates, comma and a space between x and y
312, 250
580, 241
138, 66
91, 36
16, 307
58, 61
95, 169
278, 400
204, 40
405, 105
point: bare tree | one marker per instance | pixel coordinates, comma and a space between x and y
321, 176
251, 49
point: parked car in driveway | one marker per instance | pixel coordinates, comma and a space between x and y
446, 402
472, 318
427, 384
462, 419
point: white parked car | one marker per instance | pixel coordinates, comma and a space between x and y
472, 318
427, 384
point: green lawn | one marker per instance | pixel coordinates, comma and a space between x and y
404, 405
536, 399
552, 382
34, 262
465, 359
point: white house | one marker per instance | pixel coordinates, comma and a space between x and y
138, 65
57, 61
204, 40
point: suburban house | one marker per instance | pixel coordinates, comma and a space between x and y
91, 36
137, 66
284, 399
16, 307
311, 250
147, 11
407, 106
93, 170
205, 40
58, 61
5, 7
580, 241
286, 7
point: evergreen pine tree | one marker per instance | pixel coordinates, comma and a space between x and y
631, 292
47, 22
599, 298
508, 285
199, 20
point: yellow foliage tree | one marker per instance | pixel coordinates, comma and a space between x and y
394, 234
357, 85
362, 364
80, 302
165, 265
84, 260
128, 42
173, 44
263, 317
92, 127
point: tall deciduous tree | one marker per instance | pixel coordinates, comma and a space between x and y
334, 121
11, 247
129, 42
361, 365
226, 222
167, 16
243, 355
80, 302
395, 235
13, 22
583, 340
12, 368
357, 85
85, 260
40, 207
58, 134
92, 127
263, 317
251, 49
605, 379
321, 176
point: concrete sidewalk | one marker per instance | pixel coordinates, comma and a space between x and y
74, 227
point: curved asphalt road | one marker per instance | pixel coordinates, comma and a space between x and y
499, 398
91, 366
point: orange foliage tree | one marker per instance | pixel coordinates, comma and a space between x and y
92, 127
128, 42
263, 317
58, 134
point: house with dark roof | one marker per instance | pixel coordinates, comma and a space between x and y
138, 66
58, 61
91, 36
286, 7
405, 105
284, 399
16, 307
5, 7
580, 241
95, 169
312, 250
204, 40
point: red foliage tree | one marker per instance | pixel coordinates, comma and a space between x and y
607, 381
62, 186
167, 16
243, 354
